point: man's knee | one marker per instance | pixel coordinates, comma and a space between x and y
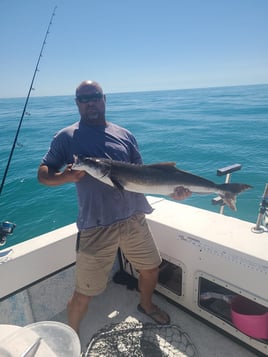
81, 297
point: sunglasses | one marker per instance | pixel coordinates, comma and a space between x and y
89, 98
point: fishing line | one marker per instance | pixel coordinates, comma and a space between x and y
27, 99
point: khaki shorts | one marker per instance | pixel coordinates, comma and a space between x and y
97, 248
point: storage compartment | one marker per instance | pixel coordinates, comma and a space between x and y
170, 280
215, 299
170, 277
246, 315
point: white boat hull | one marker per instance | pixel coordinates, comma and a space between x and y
202, 246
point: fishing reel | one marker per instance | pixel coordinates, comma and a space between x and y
6, 228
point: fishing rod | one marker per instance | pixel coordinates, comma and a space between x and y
8, 227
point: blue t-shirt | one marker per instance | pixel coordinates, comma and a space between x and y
98, 203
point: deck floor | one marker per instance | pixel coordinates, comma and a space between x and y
117, 303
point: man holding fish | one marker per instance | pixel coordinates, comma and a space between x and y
109, 216
104, 162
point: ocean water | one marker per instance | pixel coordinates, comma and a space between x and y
201, 130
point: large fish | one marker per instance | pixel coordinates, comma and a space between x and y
156, 179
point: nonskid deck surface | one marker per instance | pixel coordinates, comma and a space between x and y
117, 304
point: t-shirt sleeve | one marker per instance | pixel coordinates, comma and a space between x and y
58, 154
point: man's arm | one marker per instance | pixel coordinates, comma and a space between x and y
52, 177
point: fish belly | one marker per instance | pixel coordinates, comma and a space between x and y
149, 189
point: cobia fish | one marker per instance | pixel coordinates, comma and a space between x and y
156, 179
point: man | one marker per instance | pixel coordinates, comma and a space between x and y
106, 218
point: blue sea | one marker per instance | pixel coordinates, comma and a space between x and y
202, 130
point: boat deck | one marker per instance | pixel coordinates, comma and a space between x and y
117, 303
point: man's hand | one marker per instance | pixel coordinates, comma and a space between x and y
50, 177
72, 175
180, 193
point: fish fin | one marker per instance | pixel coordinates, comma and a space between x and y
117, 184
229, 199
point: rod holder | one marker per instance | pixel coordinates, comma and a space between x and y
227, 170
263, 208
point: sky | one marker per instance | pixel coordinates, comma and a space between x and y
132, 45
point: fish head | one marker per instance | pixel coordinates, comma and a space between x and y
95, 167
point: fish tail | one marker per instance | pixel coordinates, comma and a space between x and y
230, 191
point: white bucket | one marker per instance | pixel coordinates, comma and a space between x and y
46, 338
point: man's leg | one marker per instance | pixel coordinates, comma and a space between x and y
141, 251
76, 309
97, 248
147, 283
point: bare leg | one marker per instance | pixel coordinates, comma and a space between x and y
147, 283
76, 309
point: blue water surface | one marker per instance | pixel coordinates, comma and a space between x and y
201, 130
